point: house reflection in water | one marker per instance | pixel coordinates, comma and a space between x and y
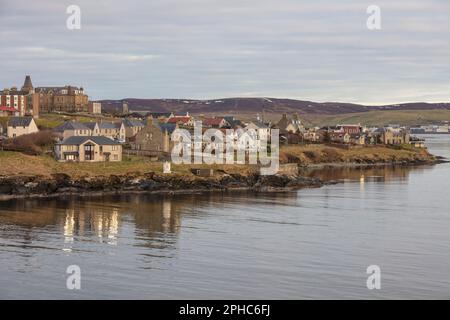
380, 174
101, 219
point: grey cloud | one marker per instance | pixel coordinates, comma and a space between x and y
317, 50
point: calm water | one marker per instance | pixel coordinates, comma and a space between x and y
315, 243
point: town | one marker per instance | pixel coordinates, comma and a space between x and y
82, 132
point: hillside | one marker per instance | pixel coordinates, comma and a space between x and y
255, 105
380, 118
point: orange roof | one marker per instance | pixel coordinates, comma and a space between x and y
179, 119
212, 121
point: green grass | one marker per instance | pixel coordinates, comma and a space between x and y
53, 120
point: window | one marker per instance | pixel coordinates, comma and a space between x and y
115, 157
89, 152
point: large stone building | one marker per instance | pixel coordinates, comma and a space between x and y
62, 99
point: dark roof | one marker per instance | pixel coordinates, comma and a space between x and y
108, 125
19, 121
70, 125
169, 127
132, 123
90, 125
77, 140
233, 121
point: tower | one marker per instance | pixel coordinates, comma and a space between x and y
28, 85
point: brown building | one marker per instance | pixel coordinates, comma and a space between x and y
62, 99
25, 100
154, 138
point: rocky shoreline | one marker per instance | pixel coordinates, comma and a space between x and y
61, 184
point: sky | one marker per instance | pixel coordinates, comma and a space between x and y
317, 50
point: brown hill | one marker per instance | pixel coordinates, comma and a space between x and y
254, 105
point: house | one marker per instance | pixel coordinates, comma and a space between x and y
154, 138
339, 136
187, 120
351, 129
215, 123
72, 128
113, 130
293, 125
233, 122
394, 136
88, 149
417, 142
313, 135
8, 111
261, 129
132, 127
18, 126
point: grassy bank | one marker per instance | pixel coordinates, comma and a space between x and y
15, 163
322, 154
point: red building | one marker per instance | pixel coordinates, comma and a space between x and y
8, 111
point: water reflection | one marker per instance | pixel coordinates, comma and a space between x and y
365, 174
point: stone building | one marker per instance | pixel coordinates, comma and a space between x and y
62, 99
154, 138
88, 149
392, 136
18, 126
95, 107
25, 100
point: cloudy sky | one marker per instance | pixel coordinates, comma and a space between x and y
317, 50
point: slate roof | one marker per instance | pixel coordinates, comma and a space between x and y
259, 124
232, 121
77, 140
71, 125
169, 127
108, 125
132, 123
20, 121
90, 125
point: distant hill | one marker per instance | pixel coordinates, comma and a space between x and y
236, 106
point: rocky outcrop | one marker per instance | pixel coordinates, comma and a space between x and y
62, 184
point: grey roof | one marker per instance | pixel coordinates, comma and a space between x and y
71, 125
19, 121
77, 140
90, 125
233, 121
132, 123
108, 125
259, 124
169, 127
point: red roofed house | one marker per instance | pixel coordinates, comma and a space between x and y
8, 111
215, 122
184, 121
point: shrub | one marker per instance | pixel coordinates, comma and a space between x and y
34, 144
